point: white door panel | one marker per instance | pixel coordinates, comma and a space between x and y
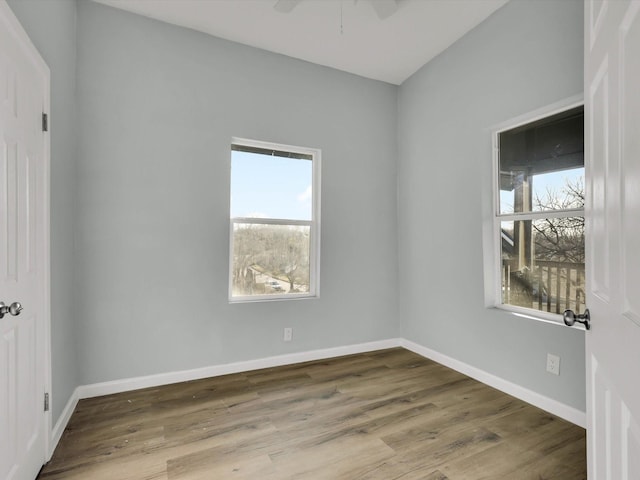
612, 116
630, 146
24, 362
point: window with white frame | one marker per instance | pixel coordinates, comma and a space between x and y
274, 221
539, 217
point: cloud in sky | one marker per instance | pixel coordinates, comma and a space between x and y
306, 195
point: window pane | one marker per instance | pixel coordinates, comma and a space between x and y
270, 259
561, 190
270, 186
543, 264
542, 164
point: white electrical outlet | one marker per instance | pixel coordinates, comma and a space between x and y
553, 364
288, 334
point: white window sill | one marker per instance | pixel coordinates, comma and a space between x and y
272, 298
544, 317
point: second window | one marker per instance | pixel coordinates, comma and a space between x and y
540, 213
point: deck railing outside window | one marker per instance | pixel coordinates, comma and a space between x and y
548, 286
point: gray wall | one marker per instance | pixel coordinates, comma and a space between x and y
157, 108
51, 27
525, 56
143, 289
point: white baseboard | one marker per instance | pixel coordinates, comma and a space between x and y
550, 405
127, 384
63, 421
106, 388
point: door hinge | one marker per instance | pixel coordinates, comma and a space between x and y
46, 402
45, 122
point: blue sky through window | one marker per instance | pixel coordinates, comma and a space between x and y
266, 186
554, 181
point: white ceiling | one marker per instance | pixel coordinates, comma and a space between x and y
390, 50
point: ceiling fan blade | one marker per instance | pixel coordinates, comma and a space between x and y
285, 6
384, 8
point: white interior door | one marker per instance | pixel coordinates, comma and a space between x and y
24, 87
612, 133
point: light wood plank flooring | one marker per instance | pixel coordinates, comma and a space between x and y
385, 415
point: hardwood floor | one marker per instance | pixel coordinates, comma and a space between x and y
383, 415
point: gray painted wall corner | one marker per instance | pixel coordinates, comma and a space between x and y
140, 210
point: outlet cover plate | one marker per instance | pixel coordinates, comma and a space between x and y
288, 334
553, 364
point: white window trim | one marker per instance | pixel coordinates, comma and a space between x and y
314, 225
492, 224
